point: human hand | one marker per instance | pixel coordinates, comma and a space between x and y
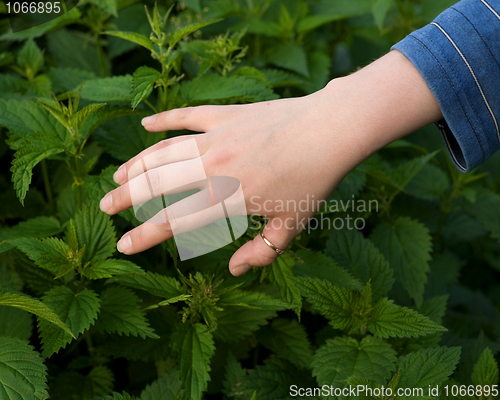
284, 152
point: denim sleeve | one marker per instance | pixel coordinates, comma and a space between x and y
458, 55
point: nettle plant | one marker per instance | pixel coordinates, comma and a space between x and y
409, 301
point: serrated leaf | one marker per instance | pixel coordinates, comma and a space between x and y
485, 371
313, 264
33, 306
84, 113
390, 320
99, 382
116, 396
125, 137
216, 87
233, 376
96, 232
344, 357
77, 311
289, 56
167, 387
38, 227
181, 33
353, 251
30, 58
108, 6
23, 376
485, 210
156, 284
50, 253
132, 37
110, 267
406, 245
104, 90
120, 313
66, 79
104, 114
337, 304
142, 83
288, 340
280, 274
15, 323
272, 381
34, 149
195, 347
429, 184
425, 367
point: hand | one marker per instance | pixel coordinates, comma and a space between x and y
283, 151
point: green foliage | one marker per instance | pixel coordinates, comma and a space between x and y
407, 300
22, 372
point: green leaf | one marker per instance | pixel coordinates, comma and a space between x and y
313, 264
233, 376
156, 284
280, 274
425, 367
429, 184
104, 114
167, 387
15, 323
38, 227
23, 376
35, 148
125, 137
84, 113
288, 340
390, 320
406, 244
486, 210
380, 9
120, 313
132, 37
289, 56
50, 253
344, 357
217, 87
95, 231
72, 49
195, 347
110, 267
103, 90
72, 16
142, 83
116, 396
99, 382
30, 58
353, 251
108, 6
36, 307
346, 309
485, 370
181, 33
77, 311
66, 79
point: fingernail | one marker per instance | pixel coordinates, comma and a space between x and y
120, 176
106, 202
241, 269
124, 244
148, 120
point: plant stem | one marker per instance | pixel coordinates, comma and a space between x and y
46, 181
151, 106
102, 60
79, 192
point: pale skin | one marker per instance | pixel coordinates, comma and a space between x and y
288, 149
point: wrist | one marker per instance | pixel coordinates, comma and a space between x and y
384, 101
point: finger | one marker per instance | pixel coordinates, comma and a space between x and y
198, 119
165, 152
189, 214
257, 253
167, 179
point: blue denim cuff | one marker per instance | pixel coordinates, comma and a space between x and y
458, 55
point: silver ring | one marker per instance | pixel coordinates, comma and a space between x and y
278, 251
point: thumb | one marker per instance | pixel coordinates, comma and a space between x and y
256, 253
